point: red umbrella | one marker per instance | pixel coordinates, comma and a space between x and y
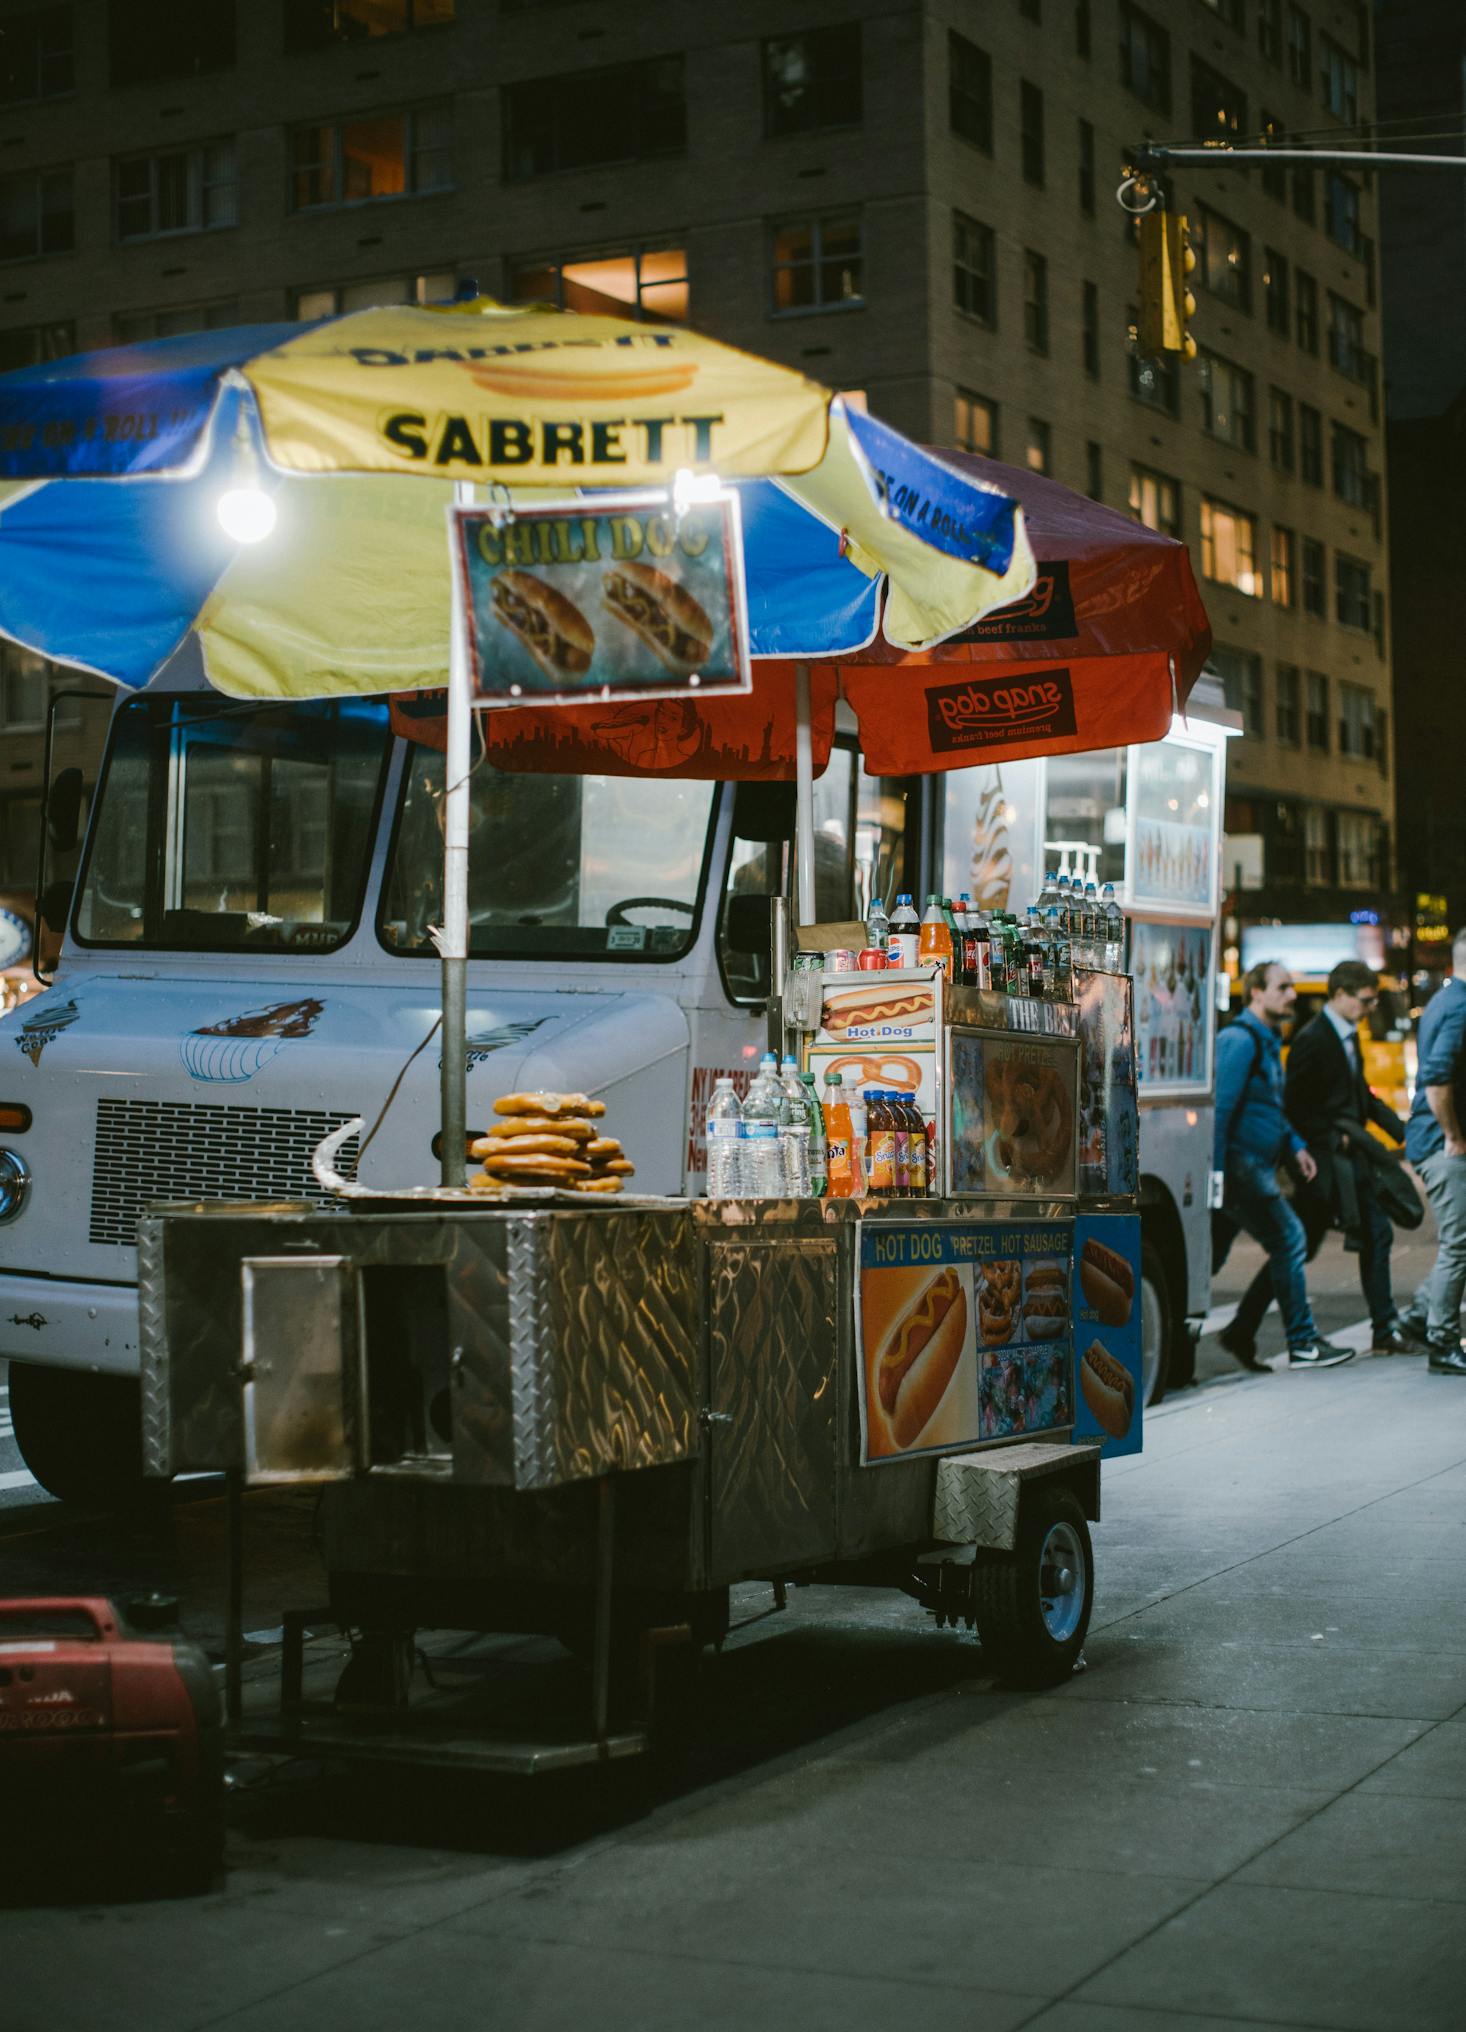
1101, 653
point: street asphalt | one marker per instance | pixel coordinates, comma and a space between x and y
1250, 1809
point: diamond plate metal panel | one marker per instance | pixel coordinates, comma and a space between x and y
978, 1495
153, 1351
771, 1312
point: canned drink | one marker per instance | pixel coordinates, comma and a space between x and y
809, 963
840, 961
870, 958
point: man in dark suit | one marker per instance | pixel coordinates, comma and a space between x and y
1325, 1085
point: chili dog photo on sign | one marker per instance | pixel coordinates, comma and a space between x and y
1108, 1369
618, 598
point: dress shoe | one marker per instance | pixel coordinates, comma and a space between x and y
1414, 1326
1447, 1356
1321, 1355
1393, 1342
1243, 1351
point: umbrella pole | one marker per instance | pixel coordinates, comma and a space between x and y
803, 800
453, 944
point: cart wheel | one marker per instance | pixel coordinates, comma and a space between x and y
1033, 1603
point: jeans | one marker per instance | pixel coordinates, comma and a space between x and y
1255, 1201
1444, 1179
1376, 1239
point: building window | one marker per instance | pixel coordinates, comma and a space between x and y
1305, 197
1341, 213
1229, 11
379, 155
1270, 30
1275, 290
1094, 470
316, 24
1353, 603
434, 286
1241, 673
1346, 341
974, 269
1287, 712
1090, 342
1035, 301
1086, 168
1036, 452
36, 56
1223, 257
1313, 577
1229, 547
1359, 849
135, 327
33, 345
36, 214
1228, 409
148, 44
1283, 576
22, 689
1349, 456
1155, 500
818, 263
1031, 131
1310, 444
975, 423
812, 80
1317, 724
647, 282
179, 190
1300, 48
970, 91
1338, 81
1145, 58
1082, 29
1154, 379
1280, 429
1306, 296
1274, 175
1218, 108
1318, 858
1356, 721
633, 112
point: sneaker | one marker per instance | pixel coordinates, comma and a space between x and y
1322, 1355
1391, 1341
1447, 1356
1242, 1350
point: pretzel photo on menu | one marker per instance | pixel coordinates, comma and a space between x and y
998, 1301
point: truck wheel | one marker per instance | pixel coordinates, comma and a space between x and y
80, 1435
1156, 1325
1033, 1603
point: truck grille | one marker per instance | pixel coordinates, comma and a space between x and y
152, 1150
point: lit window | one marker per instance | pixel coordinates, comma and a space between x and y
435, 286
1036, 454
315, 24
1282, 573
641, 282
818, 264
378, 155
1229, 547
975, 423
1155, 500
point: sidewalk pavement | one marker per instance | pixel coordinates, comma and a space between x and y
1249, 1810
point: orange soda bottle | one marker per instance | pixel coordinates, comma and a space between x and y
934, 940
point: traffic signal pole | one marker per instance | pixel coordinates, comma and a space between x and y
1159, 155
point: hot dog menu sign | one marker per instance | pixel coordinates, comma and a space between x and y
617, 598
964, 1333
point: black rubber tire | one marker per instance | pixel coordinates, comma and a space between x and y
1007, 1592
1153, 1274
80, 1434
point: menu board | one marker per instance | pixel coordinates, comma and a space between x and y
963, 1333
1013, 1115
1108, 1403
1109, 1113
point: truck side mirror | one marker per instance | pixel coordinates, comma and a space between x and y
763, 811
63, 811
55, 904
748, 924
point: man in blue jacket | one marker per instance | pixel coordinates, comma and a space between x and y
1253, 1136
1435, 1143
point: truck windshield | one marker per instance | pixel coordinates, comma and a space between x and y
558, 865
224, 826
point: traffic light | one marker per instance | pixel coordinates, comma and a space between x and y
1166, 303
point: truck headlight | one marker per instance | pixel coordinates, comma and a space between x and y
15, 1183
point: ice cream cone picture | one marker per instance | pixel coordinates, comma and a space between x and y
235, 1049
45, 1020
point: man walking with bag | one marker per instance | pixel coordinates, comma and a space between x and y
1253, 1136
1435, 1143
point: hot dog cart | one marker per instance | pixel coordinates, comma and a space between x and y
590, 1419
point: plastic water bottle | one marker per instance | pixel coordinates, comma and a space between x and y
1093, 934
1065, 902
904, 933
725, 1141
1056, 959
1114, 933
1048, 898
764, 1112
878, 927
795, 1131
818, 1161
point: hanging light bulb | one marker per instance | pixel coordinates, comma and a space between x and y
246, 512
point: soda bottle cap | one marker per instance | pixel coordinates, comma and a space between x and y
832, 1079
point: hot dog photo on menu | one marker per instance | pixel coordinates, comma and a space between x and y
1107, 1330
919, 1368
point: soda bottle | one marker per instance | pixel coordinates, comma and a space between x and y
859, 1133
881, 1145
1114, 933
725, 1140
958, 918
878, 927
764, 1112
818, 1163
982, 951
934, 945
795, 1132
901, 1143
997, 955
839, 1140
905, 933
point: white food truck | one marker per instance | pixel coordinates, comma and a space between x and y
248, 962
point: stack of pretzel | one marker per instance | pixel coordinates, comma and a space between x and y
541, 1139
